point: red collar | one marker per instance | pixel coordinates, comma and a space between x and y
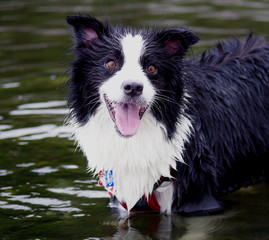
145, 204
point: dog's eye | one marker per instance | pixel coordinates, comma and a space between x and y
151, 69
111, 64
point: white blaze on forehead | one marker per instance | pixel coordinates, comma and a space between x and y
132, 47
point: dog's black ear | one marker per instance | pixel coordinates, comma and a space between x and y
177, 41
86, 29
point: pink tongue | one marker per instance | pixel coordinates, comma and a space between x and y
127, 119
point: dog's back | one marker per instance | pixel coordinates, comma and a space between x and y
229, 100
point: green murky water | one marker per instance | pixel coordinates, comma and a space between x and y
45, 191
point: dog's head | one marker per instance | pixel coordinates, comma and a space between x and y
131, 72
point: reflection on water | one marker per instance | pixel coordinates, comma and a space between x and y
160, 227
45, 190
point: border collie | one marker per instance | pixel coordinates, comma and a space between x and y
167, 133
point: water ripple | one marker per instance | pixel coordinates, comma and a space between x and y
11, 85
4, 172
80, 193
50, 202
37, 133
48, 104
45, 170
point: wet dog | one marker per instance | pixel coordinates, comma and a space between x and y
164, 132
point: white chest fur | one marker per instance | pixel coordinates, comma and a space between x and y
137, 162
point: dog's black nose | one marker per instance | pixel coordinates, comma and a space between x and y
132, 89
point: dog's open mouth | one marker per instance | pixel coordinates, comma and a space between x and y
126, 116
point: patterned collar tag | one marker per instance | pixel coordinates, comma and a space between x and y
106, 180
109, 178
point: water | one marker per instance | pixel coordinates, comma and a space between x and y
45, 190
